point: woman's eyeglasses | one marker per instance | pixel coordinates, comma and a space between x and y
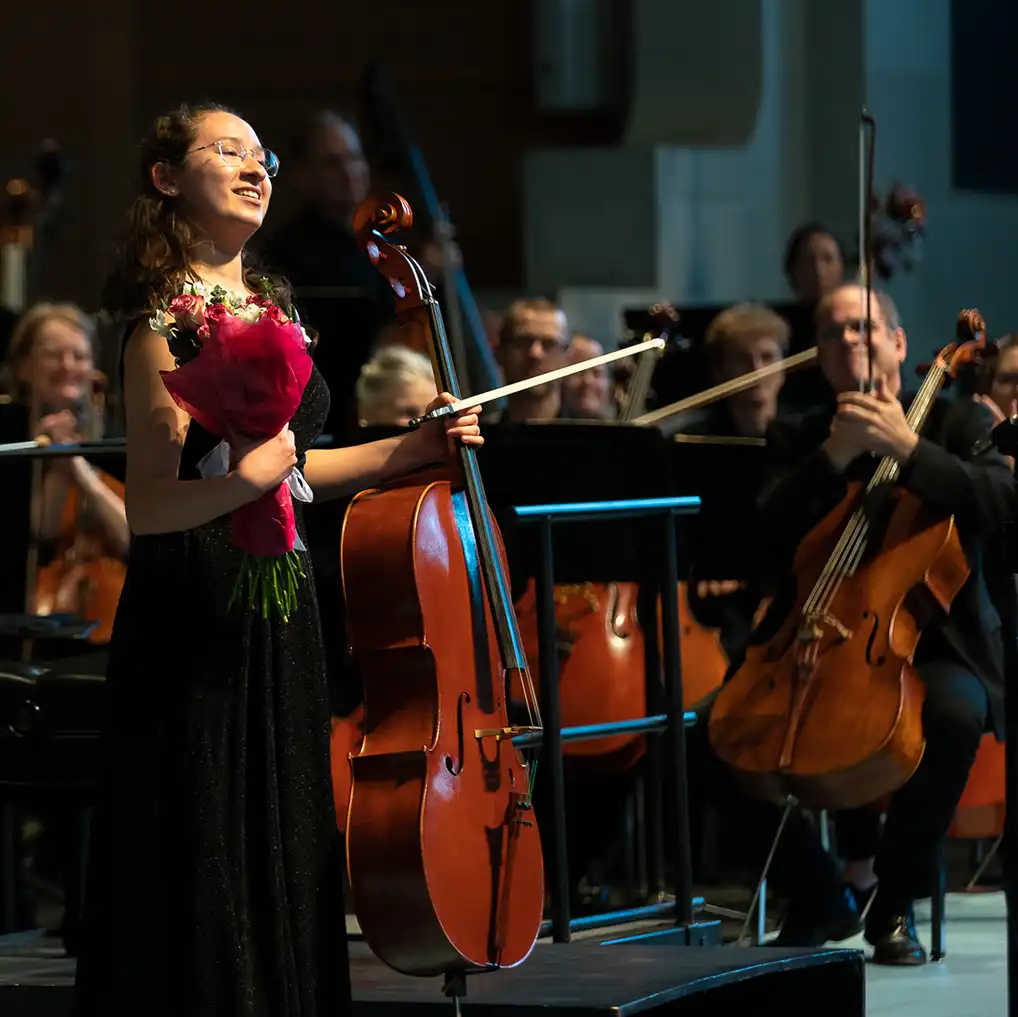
233, 153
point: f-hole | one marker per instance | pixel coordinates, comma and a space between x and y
870, 641
455, 766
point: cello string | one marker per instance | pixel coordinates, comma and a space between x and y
849, 550
850, 553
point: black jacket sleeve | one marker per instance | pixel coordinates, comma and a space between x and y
792, 503
976, 487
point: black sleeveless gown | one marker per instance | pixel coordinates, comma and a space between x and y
214, 884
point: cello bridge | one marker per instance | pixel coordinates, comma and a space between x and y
812, 630
502, 734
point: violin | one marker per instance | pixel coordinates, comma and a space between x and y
85, 576
443, 850
829, 709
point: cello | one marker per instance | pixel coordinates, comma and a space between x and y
84, 578
828, 709
443, 851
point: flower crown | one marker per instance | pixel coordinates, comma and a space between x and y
184, 321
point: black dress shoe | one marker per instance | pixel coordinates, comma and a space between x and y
893, 936
810, 925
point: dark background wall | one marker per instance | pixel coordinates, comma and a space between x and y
92, 73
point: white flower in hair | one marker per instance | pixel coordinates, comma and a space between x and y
249, 312
307, 338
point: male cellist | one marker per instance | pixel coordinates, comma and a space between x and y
960, 655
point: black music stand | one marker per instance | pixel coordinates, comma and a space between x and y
727, 477
577, 461
583, 462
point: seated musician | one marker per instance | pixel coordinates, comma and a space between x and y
814, 262
587, 395
396, 385
50, 370
960, 655
740, 339
533, 339
998, 384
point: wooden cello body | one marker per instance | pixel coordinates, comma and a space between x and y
83, 578
443, 852
851, 731
829, 709
602, 669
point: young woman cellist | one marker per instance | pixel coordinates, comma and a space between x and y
215, 827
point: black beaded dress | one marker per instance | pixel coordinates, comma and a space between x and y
215, 884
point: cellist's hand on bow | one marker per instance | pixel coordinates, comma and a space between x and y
441, 436
870, 423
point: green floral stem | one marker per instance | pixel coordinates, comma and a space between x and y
269, 584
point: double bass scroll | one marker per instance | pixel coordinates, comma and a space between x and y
443, 851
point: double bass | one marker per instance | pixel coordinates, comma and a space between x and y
443, 850
829, 708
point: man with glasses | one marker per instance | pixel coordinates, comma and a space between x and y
533, 339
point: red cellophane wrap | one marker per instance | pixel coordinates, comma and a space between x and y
245, 385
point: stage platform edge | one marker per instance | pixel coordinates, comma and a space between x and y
563, 980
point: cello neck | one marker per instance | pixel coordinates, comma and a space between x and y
495, 578
918, 414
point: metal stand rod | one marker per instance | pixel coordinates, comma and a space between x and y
984, 864
551, 763
758, 893
937, 923
653, 770
555, 839
675, 742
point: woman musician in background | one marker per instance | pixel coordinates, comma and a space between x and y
78, 511
51, 370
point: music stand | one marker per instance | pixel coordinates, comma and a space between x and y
727, 477
577, 461
582, 462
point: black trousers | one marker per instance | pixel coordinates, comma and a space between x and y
954, 719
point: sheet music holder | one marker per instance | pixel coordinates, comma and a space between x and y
578, 461
727, 476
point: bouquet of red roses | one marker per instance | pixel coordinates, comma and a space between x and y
242, 369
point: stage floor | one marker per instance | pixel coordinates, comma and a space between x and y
969, 982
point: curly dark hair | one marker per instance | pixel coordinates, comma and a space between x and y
152, 262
